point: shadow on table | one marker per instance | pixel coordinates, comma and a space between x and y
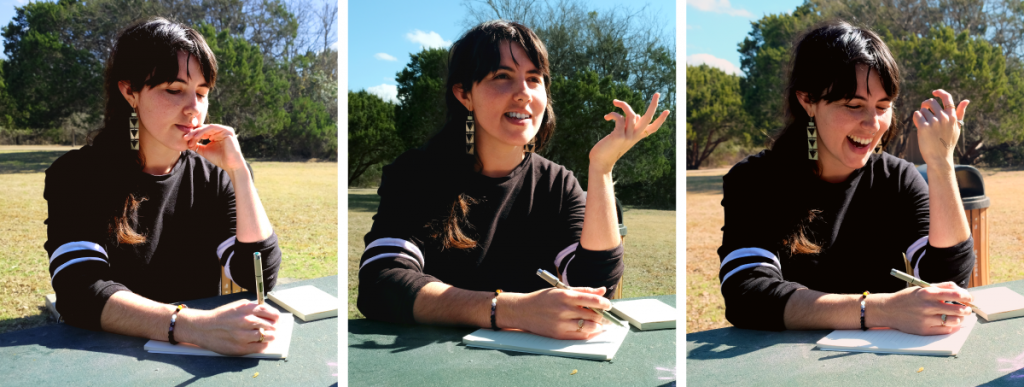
64, 340
401, 337
1015, 378
731, 342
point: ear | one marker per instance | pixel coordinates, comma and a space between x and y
126, 91
805, 101
463, 96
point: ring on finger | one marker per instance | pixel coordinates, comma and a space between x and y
262, 337
943, 320
579, 325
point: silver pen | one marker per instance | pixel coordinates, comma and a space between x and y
558, 284
914, 281
258, 262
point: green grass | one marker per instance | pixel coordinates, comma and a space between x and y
650, 248
300, 199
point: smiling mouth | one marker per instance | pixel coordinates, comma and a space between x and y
517, 116
859, 142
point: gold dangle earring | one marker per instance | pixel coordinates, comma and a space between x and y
530, 146
812, 140
470, 133
133, 130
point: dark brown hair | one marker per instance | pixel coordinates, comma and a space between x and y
146, 55
824, 66
475, 55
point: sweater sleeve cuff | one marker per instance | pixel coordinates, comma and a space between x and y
954, 263
240, 265
592, 268
86, 310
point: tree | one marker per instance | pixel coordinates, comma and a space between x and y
372, 138
714, 112
421, 96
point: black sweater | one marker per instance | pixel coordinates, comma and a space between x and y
188, 219
531, 219
865, 225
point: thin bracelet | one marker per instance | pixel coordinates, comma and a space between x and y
863, 300
494, 307
174, 319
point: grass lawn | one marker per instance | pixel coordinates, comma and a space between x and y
650, 248
705, 308
300, 199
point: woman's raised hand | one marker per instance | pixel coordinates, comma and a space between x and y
233, 329
629, 130
556, 313
222, 150
919, 310
937, 127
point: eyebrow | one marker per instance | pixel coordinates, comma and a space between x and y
886, 99
534, 71
204, 84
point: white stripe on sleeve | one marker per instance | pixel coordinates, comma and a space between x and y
227, 267
400, 243
224, 246
750, 252
565, 273
747, 266
76, 246
74, 261
389, 255
564, 253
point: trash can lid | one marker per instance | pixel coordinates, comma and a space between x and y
970, 183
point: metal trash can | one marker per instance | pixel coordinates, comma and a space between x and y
972, 193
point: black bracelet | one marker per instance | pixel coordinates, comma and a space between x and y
863, 299
174, 319
494, 307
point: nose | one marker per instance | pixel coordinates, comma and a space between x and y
195, 107
521, 92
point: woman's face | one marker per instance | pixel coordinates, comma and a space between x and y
508, 104
169, 111
850, 129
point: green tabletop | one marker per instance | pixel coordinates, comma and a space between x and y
993, 355
62, 355
383, 354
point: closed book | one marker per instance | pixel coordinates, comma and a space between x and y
998, 303
306, 302
647, 314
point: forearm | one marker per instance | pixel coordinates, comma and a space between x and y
948, 224
600, 231
252, 224
811, 309
440, 303
130, 314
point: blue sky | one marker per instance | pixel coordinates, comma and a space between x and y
383, 33
715, 28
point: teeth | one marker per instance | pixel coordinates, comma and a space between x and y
517, 115
860, 140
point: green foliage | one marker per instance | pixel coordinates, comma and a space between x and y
765, 56
714, 112
421, 96
582, 102
372, 138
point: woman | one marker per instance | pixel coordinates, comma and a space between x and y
814, 225
148, 214
476, 210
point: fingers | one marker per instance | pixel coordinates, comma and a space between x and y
961, 109
651, 108
947, 100
930, 108
211, 132
631, 116
267, 312
657, 124
620, 121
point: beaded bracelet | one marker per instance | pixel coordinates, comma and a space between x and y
863, 300
174, 319
494, 307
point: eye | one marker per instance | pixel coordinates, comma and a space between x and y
536, 80
852, 107
501, 76
172, 91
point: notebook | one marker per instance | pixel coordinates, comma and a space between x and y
884, 340
998, 303
600, 347
278, 349
647, 314
306, 302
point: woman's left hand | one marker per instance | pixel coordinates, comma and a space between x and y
937, 127
222, 150
628, 131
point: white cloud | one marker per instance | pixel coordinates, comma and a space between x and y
719, 6
710, 60
428, 40
385, 91
383, 56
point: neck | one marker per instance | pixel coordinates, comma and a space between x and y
833, 172
159, 160
498, 159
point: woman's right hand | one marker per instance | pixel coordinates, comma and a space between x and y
556, 313
919, 310
232, 329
